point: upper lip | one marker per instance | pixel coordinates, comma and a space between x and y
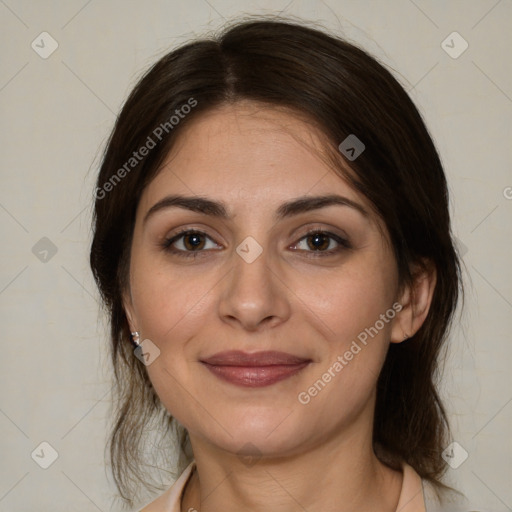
264, 358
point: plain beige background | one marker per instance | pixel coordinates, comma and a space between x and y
56, 113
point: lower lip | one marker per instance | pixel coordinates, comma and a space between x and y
255, 376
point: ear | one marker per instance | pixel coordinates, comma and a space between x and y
128, 309
415, 300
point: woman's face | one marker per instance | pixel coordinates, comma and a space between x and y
268, 337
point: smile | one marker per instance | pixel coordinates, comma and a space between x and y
254, 370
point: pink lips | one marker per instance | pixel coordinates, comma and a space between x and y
254, 370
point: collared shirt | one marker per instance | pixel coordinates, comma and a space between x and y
416, 495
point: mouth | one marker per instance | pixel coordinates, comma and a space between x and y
254, 370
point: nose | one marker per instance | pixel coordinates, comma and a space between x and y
253, 295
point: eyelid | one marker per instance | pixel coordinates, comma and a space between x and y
315, 227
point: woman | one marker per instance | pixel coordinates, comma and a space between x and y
272, 243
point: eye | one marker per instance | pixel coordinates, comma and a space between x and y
189, 241
193, 242
322, 243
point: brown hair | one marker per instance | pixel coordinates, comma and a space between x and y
343, 91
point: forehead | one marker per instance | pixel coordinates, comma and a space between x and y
248, 154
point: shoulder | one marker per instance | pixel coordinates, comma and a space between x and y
422, 496
170, 500
411, 495
443, 500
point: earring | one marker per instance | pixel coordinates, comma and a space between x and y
406, 336
136, 338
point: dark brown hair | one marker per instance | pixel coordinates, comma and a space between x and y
343, 91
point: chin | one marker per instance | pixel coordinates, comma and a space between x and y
263, 431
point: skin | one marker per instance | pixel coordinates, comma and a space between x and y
317, 455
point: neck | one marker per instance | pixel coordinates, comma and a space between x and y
340, 475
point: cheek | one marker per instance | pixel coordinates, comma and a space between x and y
167, 303
171, 308
344, 303
352, 310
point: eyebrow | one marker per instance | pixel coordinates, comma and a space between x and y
218, 209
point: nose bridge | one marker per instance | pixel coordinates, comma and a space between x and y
251, 277
252, 292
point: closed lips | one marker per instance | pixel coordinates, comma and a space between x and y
254, 370
267, 358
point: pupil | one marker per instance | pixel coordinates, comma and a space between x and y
318, 241
193, 241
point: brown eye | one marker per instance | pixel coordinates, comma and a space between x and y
193, 241
318, 241
189, 243
322, 243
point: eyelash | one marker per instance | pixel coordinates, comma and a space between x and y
343, 243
